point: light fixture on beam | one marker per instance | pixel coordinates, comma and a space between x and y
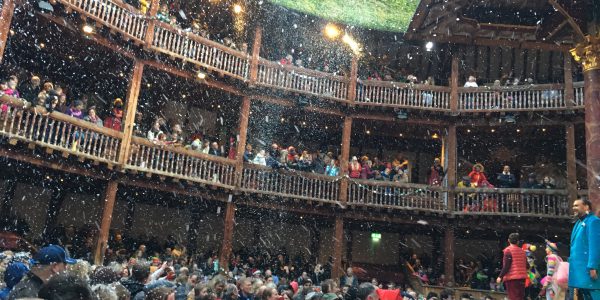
237, 9
429, 46
201, 75
332, 31
88, 29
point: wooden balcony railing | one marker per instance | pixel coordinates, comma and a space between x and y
181, 163
535, 202
57, 131
301, 80
120, 17
512, 98
292, 184
395, 195
387, 93
578, 86
200, 51
216, 57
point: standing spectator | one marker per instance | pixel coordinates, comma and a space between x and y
332, 169
365, 172
246, 290
531, 182
31, 90
155, 131
547, 183
66, 287
506, 179
471, 82
92, 117
260, 158
584, 260
349, 279
478, 177
354, 168
248, 153
116, 115
48, 262
12, 275
11, 88
514, 269
435, 175
139, 277
76, 110
214, 149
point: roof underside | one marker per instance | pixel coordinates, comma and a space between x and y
387, 15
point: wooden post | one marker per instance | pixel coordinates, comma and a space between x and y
353, 80
149, 39
110, 196
344, 157
255, 55
56, 200
454, 84
6, 15
338, 244
133, 92
571, 162
242, 138
449, 253
451, 148
569, 90
227, 245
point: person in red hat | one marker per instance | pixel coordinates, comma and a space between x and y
514, 269
116, 116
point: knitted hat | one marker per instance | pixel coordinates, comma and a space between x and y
552, 246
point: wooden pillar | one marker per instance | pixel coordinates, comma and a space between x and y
242, 138
110, 196
6, 15
449, 254
338, 243
315, 243
588, 53
344, 157
352, 81
571, 162
57, 198
9, 195
437, 259
133, 91
154, 6
454, 84
255, 55
227, 245
349, 245
569, 91
451, 148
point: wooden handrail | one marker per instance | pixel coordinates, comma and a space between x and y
182, 150
517, 88
559, 192
403, 85
371, 182
302, 71
292, 172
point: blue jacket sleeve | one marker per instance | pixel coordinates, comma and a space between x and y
594, 243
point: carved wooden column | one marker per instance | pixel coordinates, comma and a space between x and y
133, 92
449, 241
242, 138
344, 157
569, 90
353, 80
6, 15
451, 149
338, 244
110, 196
454, 84
154, 6
255, 55
227, 245
588, 54
571, 162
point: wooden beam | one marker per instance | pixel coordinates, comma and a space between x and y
227, 244
6, 15
418, 18
110, 196
569, 19
154, 6
452, 149
344, 158
338, 244
133, 92
449, 254
569, 90
353, 79
255, 55
241, 140
454, 84
571, 162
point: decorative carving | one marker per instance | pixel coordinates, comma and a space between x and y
588, 53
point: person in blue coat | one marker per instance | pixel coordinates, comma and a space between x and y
584, 262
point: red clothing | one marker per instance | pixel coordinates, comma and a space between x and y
518, 263
113, 123
515, 289
365, 171
355, 170
389, 294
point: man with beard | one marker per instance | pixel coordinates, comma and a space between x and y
584, 262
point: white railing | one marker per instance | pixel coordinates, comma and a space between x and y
387, 93
395, 195
526, 97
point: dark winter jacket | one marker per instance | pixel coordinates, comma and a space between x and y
506, 180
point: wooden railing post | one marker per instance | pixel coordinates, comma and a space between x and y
353, 79
6, 15
110, 196
451, 149
344, 157
571, 162
569, 90
151, 22
255, 55
241, 142
227, 244
454, 85
133, 92
338, 244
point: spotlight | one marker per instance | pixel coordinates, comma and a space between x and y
331, 31
88, 29
544, 129
368, 131
237, 8
402, 115
42, 45
201, 75
493, 130
429, 46
518, 130
468, 130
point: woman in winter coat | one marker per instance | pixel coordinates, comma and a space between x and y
332, 169
354, 168
365, 172
478, 177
